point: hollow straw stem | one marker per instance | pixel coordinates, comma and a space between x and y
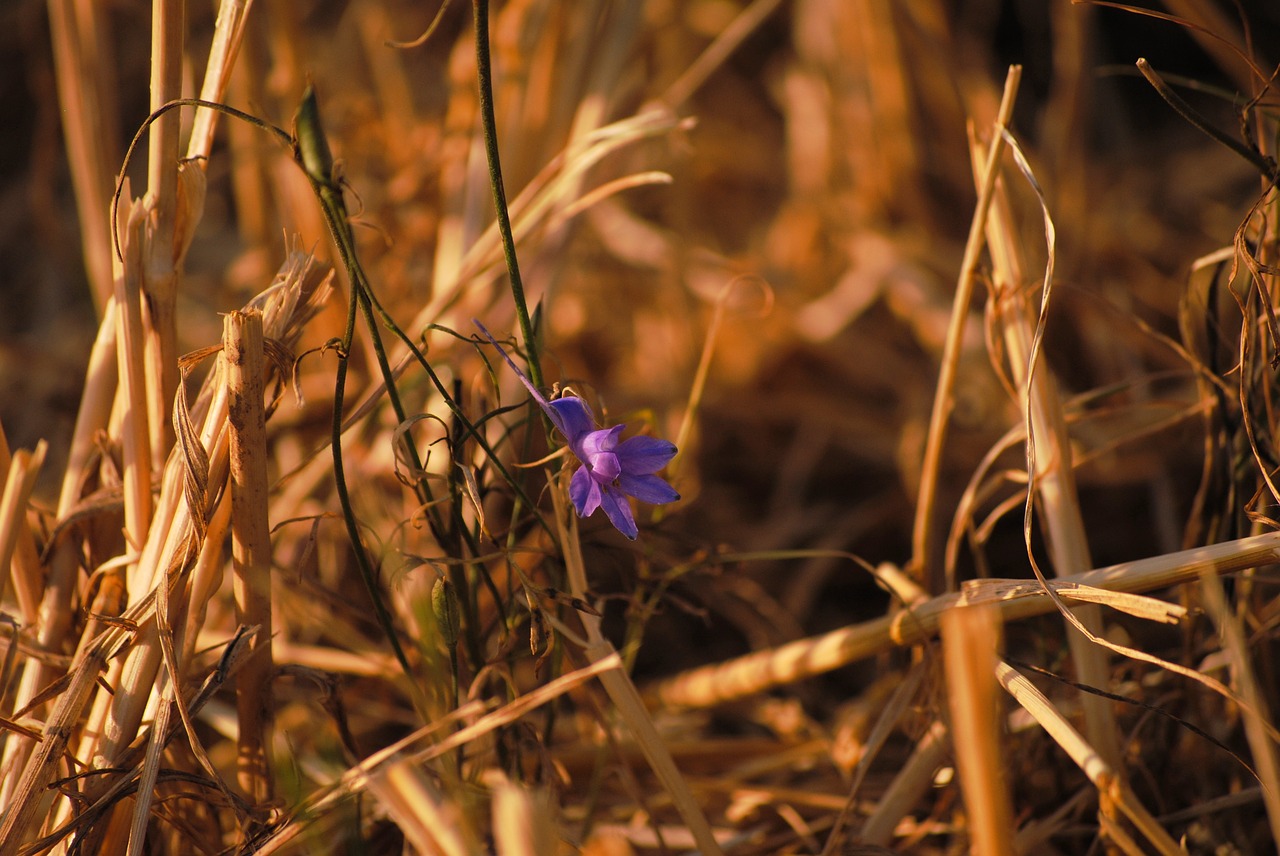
160, 276
242, 352
227, 36
804, 658
135, 432
970, 639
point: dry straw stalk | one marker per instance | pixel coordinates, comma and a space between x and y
804, 658
246, 369
970, 639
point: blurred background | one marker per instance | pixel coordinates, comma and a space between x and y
826, 176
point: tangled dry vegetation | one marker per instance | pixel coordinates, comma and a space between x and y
977, 430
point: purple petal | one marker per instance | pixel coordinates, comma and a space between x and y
605, 467
584, 491
595, 449
572, 416
604, 440
618, 510
647, 488
644, 455
552, 414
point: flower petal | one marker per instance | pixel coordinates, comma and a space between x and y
647, 488
572, 416
595, 449
605, 467
641, 456
554, 416
584, 491
603, 440
618, 510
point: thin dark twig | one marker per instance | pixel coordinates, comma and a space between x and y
1264, 164
280, 134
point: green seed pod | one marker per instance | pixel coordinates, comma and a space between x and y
444, 603
312, 146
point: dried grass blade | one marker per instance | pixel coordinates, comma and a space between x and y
429, 821
228, 665
889, 717
1112, 791
21, 811
726, 42
146, 791
550, 191
1050, 468
356, 778
911, 783
523, 819
172, 547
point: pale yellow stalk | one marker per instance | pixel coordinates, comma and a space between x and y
970, 639
160, 271
227, 36
17, 544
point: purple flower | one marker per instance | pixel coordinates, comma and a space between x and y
611, 471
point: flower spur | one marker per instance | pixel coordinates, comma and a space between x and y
611, 470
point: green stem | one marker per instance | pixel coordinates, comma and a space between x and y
367, 575
312, 152
490, 128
